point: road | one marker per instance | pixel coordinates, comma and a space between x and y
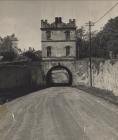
59, 113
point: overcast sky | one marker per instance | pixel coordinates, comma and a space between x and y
23, 17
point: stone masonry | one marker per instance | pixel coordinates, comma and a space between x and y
58, 44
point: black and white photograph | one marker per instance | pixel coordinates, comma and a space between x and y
58, 69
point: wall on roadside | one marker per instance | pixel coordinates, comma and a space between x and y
105, 74
37, 75
21, 75
31, 75
14, 76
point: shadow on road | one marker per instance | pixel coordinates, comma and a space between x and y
105, 94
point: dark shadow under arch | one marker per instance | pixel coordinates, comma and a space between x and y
49, 81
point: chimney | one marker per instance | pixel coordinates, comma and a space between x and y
70, 20
41, 22
45, 21
60, 20
73, 20
56, 20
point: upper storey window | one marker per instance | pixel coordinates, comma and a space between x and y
48, 35
67, 35
49, 51
67, 50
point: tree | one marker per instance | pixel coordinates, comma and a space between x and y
103, 42
108, 38
82, 43
6, 49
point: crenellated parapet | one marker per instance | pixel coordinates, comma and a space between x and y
58, 24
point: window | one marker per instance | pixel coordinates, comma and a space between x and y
67, 50
48, 51
48, 34
67, 34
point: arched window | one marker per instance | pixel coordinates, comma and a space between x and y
67, 35
48, 51
67, 50
48, 34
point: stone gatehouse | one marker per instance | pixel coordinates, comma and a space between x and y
58, 41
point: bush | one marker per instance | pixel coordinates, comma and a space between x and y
31, 55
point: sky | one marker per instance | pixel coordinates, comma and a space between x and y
23, 17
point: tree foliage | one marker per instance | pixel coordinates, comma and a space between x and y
31, 54
104, 42
7, 50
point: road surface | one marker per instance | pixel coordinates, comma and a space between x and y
59, 113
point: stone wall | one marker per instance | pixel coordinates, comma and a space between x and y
59, 35
20, 75
105, 74
47, 65
58, 49
14, 76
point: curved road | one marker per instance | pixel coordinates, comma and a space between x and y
59, 113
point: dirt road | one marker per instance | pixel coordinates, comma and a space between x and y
59, 113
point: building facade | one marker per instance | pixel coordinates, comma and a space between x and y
58, 39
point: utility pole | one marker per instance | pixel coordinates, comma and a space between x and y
90, 24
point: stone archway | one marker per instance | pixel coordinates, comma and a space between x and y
49, 79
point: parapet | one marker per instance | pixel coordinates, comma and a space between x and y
58, 24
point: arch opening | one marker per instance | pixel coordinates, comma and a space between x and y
59, 76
